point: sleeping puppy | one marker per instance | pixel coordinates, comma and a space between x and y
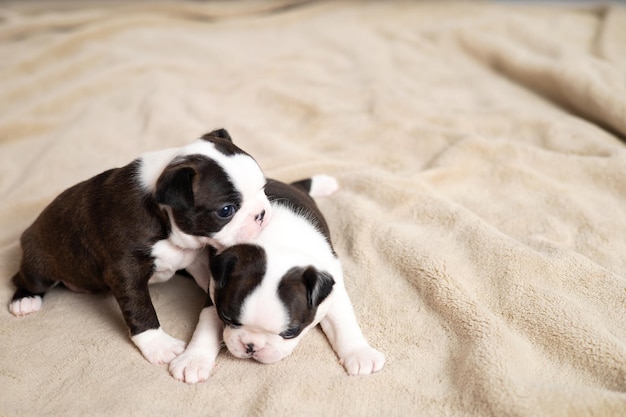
265, 295
135, 225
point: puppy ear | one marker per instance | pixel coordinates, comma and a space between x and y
175, 187
219, 133
222, 266
318, 285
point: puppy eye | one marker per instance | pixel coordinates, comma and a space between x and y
291, 332
229, 322
226, 211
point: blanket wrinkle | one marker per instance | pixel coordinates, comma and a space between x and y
611, 39
554, 302
585, 87
479, 148
474, 324
476, 328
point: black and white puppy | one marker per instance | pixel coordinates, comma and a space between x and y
265, 295
135, 225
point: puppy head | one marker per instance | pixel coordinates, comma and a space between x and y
214, 190
266, 308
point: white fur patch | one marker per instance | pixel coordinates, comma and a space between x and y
169, 258
242, 169
345, 335
323, 185
153, 164
24, 306
197, 361
363, 361
157, 346
291, 239
263, 310
192, 366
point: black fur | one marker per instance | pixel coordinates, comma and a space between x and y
196, 188
99, 234
237, 271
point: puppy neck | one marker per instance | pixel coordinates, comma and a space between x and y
181, 239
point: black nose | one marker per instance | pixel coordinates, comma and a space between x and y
259, 217
250, 348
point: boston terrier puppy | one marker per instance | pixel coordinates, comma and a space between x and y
265, 295
135, 225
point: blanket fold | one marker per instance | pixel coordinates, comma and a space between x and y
480, 153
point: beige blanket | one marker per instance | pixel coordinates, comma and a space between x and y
481, 220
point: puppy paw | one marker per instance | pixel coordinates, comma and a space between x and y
363, 361
157, 346
26, 305
192, 366
323, 185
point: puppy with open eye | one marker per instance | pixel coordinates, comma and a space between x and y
135, 225
265, 295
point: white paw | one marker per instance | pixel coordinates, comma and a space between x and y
192, 366
24, 306
363, 361
323, 185
157, 346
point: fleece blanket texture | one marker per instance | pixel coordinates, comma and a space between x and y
481, 218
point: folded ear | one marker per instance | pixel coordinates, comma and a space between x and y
174, 187
219, 133
318, 285
222, 266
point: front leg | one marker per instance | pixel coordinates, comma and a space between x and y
345, 335
157, 346
196, 362
133, 296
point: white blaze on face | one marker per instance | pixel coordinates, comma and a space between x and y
264, 317
263, 310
